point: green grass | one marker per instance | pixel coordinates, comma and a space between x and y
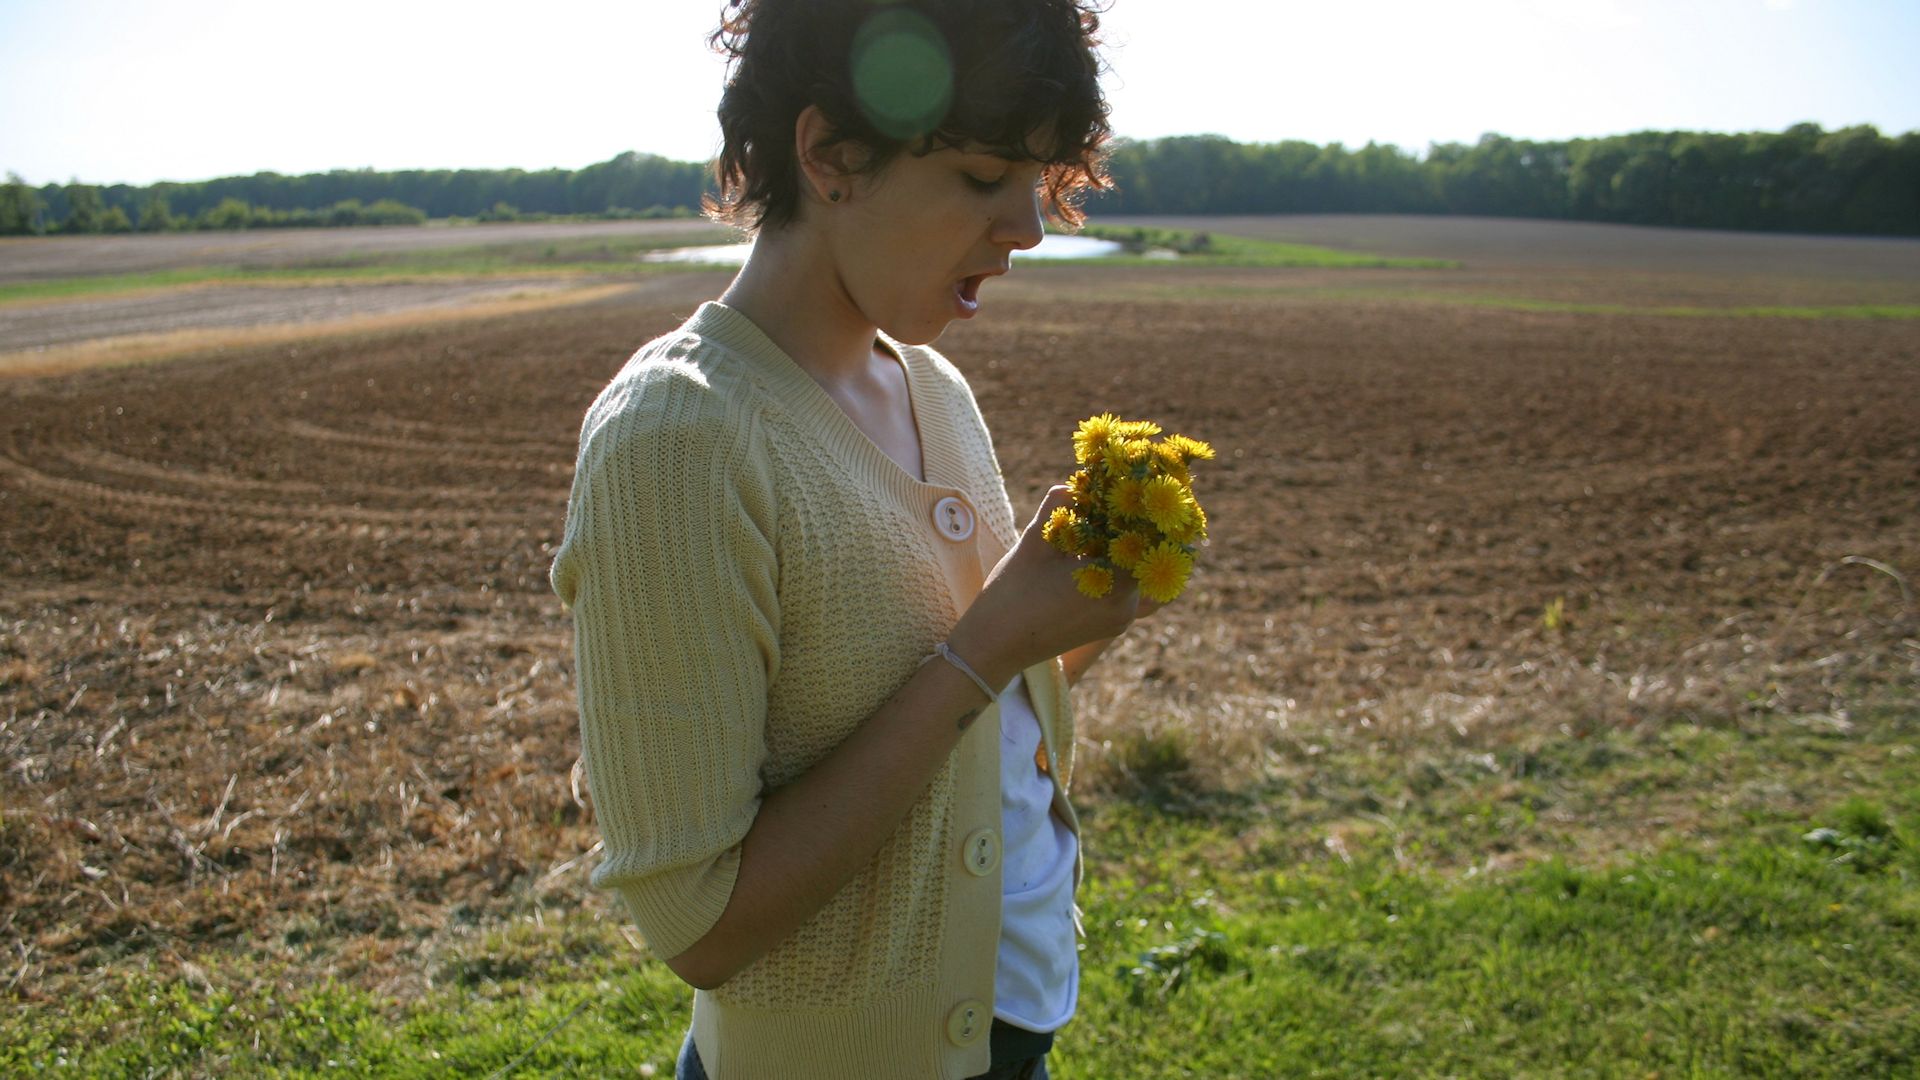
1749, 933
1310, 291
585, 251
1842, 311
560, 258
494, 1000
1219, 249
1375, 971
102, 284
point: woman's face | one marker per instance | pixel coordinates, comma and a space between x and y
914, 242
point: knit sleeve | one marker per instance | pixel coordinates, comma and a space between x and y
668, 564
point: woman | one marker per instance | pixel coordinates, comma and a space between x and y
822, 679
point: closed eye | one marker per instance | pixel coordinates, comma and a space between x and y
984, 186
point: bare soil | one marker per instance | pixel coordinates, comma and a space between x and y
280, 669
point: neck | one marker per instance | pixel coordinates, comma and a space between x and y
791, 291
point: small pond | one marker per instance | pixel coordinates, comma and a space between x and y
1050, 247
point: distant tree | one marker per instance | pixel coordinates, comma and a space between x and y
20, 208
1641, 189
229, 213
83, 209
115, 220
1804, 178
392, 212
154, 214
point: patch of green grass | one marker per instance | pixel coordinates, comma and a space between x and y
1761, 960
1244, 251
1219, 249
395, 273
585, 251
100, 284
1841, 311
559, 258
608, 1012
1701, 896
1359, 969
1395, 292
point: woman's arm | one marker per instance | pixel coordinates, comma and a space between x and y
812, 836
817, 833
1077, 661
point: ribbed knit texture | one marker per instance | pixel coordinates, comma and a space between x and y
751, 578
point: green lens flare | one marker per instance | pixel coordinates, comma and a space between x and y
902, 74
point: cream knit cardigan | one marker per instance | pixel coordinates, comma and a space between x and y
750, 579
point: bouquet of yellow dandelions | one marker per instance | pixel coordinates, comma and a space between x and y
1133, 507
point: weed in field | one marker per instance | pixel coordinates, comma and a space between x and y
1153, 763
1163, 968
1554, 617
1860, 837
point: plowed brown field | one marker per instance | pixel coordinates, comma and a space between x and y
279, 665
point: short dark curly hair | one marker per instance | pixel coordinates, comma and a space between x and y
981, 75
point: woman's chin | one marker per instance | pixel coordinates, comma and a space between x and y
917, 331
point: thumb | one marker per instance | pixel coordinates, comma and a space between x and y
1057, 496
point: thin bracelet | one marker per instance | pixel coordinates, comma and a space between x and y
941, 650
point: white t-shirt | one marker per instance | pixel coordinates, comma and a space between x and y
1037, 982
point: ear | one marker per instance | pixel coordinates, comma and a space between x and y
825, 168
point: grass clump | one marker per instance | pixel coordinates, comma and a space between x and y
1144, 246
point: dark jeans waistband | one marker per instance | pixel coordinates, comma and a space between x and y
1010, 1043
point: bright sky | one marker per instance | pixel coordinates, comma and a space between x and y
136, 91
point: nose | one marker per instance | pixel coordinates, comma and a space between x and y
1021, 222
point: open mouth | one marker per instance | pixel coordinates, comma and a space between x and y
967, 291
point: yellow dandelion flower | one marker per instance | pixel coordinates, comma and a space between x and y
1092, 437
1127, 549
1169, 505
1060, 529
1093, 580
1171, 462
1124, 498
1191, 449
1162, 572
1194, 530
1121, 455
1086, 492
1133, 508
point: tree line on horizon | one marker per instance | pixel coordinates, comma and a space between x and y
1803, 179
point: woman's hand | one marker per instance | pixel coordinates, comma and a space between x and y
1030, 610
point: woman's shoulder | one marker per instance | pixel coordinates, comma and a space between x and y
680, 379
